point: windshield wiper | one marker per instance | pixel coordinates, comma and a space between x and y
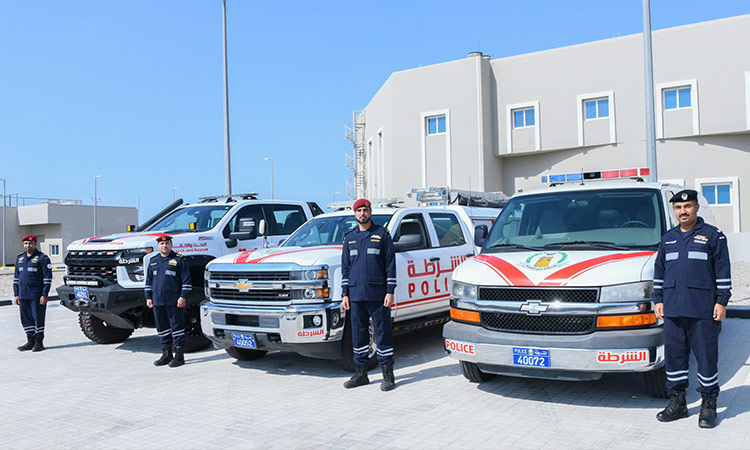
603, 244
525, 247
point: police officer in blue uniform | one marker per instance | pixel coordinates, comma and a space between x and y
167, 287
368, 268
32, 279
692, 285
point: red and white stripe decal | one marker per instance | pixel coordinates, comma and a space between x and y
514, 277
242, 258
421, 301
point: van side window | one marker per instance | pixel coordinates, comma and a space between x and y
448, 229
287, 218
412, 224
246, 212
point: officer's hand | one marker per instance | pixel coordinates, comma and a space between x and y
720, 312
388, 302
43, 300
181, 302
149, 303
345, 303
659, 310
18, 301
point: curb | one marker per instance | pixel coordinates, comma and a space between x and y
9, 301
738, 312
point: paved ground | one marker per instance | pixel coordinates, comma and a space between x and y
81, 395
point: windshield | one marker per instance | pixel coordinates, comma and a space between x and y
178, 221
327, 230
600, 219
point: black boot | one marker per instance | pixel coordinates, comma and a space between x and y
166, 356
707, 417
359, 378
38, 343
388, 382
676, 409
28, 345
179, 358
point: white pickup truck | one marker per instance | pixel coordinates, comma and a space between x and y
562, 287
289, 298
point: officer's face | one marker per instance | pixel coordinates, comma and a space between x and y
686, 212
165, 247
363, 214
29, 246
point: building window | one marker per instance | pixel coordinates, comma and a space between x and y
718, 194
677, 98
596, 108
54, 249
523, 118
436, 125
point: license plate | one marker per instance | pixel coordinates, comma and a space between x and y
243, 340
81, 292
530, 357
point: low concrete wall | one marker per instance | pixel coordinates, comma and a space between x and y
739, 253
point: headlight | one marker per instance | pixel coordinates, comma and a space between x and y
310, 274
464, 291
630, 292
205, 274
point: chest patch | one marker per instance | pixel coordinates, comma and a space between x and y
20, 260
670, 242
35, 259
700, 239
170, 272
352, 242
172, 262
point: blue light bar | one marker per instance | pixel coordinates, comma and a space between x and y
557, 178
574, 177
544, 179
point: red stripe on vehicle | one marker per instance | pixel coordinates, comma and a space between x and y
262, 258
566, 274
421, 302
510, 273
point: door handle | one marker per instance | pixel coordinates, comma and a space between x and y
434, 259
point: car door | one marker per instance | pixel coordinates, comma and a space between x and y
452, 244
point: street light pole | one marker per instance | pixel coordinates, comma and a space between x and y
96, 200
648, 68
334, 196
270, 159
227, 158
174, 193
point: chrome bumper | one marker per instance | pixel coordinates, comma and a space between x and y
281, 325
595, 353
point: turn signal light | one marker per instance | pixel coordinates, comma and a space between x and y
630, 320
465, 316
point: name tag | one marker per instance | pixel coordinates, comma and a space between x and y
373, 251
170, 272
32, 269
353, 252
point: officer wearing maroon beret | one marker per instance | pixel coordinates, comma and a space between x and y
32, 279
368, 270
167, 286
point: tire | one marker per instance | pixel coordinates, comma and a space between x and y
195, 340
472, 373
245, 354
100, 331
346, 361
656, 383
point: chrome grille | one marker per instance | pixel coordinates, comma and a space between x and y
548, 324
251, 296
250, 276
514, 294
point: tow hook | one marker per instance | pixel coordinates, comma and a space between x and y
81, 303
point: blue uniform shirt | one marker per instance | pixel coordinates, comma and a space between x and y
692, 271
32, 277
368, 264
167, 279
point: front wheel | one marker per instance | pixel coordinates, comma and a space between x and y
346, 361
472, 372
195, 340
245, 354
100, 331
656, 382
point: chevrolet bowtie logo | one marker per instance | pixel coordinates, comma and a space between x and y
533, 308
243, 286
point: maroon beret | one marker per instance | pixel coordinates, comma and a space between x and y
164, 237
29, 237
360, 203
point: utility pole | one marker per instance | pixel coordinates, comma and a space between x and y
648, 68
227, 157
96, 200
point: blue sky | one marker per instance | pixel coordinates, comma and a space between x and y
132, 90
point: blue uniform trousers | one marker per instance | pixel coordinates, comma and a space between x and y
681, 334
32, 316
361, 312
170, 324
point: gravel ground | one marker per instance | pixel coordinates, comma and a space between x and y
740, 282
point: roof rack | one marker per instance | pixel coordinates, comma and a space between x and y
392, 202
636, 174
229, 197
435, 196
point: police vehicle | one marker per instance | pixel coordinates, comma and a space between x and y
105, 274
562, 288
289, 297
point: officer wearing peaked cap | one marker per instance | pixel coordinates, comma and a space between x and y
368, 270
32, 279
692, 285
167, 286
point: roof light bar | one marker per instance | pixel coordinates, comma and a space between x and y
633, 173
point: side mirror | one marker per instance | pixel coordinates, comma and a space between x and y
262, 227
480, 235
408, 242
